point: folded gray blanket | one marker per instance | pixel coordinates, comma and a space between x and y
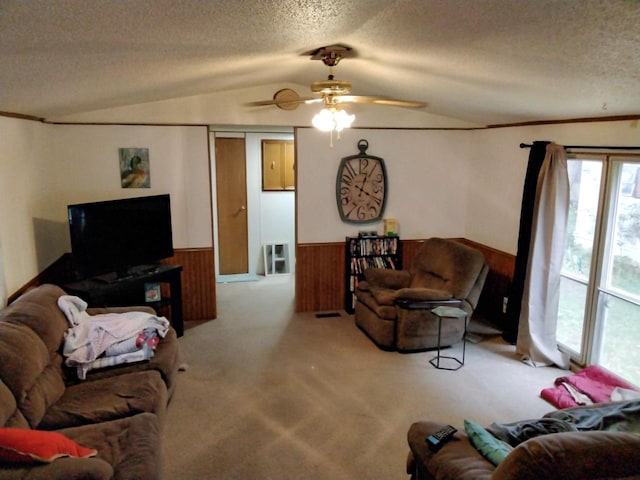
518, 432
621, 416
617, 416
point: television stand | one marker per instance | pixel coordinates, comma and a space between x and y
113, 277
110, 290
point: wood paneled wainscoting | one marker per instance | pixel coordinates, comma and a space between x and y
198, 280
497, 285
320, 276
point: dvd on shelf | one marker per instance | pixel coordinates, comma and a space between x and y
365, 252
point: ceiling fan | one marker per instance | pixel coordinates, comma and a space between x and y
331, 92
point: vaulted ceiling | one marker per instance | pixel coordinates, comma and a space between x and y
477, 62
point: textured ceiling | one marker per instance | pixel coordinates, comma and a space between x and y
479, 61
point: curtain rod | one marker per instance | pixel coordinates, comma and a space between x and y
599, 147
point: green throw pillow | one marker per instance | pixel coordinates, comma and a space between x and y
489, 446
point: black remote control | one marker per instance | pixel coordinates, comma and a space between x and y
436, 440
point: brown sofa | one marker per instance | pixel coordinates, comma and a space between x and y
117, 411
393, 307
601, 442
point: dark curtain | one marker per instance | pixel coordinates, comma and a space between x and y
536, 157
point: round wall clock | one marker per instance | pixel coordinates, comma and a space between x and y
361, 187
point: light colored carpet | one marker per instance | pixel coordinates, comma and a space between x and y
270, 394
238, 277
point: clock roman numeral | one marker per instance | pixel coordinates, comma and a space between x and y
373, 169
350, 172
348, 214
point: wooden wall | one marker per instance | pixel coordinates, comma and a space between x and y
198, 281
501, 267
320, 277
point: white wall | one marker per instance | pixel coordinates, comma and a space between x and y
87, 169
277, 209
43, 168
427, 175
497, 165
446, 183
26, 199
465, 183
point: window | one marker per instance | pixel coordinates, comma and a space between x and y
599, 312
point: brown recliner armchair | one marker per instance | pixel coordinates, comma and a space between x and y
394, 306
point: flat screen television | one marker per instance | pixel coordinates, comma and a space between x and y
116, 236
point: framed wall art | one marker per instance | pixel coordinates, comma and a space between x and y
134, 168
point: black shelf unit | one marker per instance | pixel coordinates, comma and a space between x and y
368, 252
111, 291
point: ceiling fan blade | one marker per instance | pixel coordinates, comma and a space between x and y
378, 101
283, 103
286, 99
261, 103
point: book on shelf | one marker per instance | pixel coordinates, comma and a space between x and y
364, 252
374, 246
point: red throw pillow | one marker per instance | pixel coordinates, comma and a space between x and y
21, 445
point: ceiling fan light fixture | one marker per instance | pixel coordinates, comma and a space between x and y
343, 120
329, 119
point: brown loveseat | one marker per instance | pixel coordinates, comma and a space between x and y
117, 411
600, 441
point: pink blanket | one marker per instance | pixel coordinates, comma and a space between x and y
594, 382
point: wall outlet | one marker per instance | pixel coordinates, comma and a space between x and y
505, 301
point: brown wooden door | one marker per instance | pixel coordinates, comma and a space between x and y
289, 166
231, 186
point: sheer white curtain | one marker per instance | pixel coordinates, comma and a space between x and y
537, 328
